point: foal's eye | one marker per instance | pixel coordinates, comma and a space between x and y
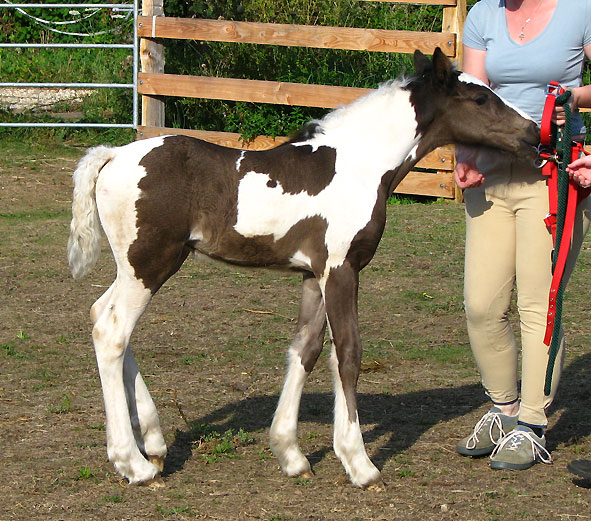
481, 99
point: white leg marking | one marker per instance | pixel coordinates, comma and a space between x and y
284, 429
348, 441
111, 333
144, 416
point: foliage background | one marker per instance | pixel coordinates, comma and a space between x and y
264, 62
69, 65
300, 65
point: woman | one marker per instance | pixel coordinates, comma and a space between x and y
517, 47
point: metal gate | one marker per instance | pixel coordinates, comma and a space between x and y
133, 47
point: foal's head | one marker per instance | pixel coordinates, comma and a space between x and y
454, 107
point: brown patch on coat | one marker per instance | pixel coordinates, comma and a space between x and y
192, 186
187, 181
298, 168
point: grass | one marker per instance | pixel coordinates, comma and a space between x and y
198, 346
42, 214
215, 446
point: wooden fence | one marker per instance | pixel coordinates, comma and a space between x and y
153, 83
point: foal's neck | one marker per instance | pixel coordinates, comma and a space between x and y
377, 132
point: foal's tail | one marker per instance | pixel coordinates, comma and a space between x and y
84, 244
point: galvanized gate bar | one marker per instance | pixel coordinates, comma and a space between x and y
67, 6
69, 45
70, 85
134, 47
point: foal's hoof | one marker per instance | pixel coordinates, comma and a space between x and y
155, 483
379, 486
157, 461
308, 474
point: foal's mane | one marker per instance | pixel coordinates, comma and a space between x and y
341, 114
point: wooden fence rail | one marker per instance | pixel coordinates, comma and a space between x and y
153, 83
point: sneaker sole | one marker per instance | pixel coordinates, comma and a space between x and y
503, 465
475, 452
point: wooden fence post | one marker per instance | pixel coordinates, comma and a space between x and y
152, 60
453, 22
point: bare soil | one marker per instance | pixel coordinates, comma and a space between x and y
211, 349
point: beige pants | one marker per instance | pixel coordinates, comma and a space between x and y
507, 245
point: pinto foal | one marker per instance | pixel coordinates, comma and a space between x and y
316, 205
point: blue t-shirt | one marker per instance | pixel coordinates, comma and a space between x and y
521, 72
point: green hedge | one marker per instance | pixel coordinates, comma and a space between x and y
263, 62
266, 62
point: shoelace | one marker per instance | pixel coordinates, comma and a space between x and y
515, 438
495, 419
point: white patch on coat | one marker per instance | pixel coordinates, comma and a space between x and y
300, 260
412, 155
371, 136
284, 429
116, 195
348, 440
196, 235
239, 160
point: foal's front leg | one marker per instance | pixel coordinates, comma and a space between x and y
302, 355
341, 308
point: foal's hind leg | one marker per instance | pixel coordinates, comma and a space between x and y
143, 414
142, 411
302, 355
115, 315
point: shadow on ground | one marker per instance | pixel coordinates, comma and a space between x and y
400, 419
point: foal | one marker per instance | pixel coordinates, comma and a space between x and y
316, 205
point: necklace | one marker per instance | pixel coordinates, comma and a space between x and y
528, 20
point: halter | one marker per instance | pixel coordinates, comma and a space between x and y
556, 151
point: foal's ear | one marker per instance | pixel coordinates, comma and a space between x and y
421, 62
442, 67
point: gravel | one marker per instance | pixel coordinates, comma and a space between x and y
20, 99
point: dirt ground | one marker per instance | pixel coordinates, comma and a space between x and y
211, 348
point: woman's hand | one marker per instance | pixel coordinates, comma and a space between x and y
558, 116
580, 171
466, 173
467, 176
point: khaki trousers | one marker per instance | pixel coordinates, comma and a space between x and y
507, 246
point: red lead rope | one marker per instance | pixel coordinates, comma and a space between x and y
575, 195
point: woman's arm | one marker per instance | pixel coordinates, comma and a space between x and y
474, 63
466, 175
581, 96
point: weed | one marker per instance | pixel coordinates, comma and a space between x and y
8, 349
64, 407
22, 335
174, 510
63, 340
85, 472
116, 498
265, 454
215, 446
